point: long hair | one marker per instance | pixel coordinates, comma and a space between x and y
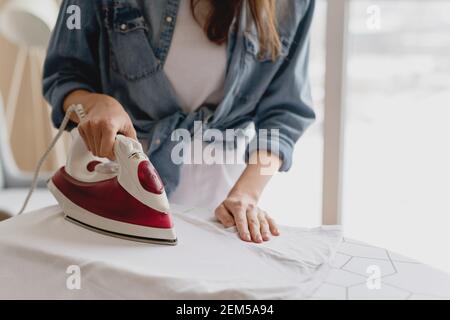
222, 13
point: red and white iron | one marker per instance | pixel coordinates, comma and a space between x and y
125, 198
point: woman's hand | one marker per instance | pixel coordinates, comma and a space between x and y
240, 208
252, 223
105, 118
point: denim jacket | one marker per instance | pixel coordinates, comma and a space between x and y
121, 48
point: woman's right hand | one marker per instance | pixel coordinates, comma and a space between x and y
105, 118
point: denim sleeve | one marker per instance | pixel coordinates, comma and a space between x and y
72, 57
287, 104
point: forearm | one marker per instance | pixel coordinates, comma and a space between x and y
262, 166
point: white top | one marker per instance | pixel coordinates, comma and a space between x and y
207, 185
195, 66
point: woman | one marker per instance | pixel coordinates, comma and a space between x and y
147, 69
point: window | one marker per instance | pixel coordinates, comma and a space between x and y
397, 132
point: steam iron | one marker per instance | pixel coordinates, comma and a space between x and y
125, 198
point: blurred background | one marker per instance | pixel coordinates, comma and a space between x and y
377, 159
394, 188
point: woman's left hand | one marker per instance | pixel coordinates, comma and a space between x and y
253, 223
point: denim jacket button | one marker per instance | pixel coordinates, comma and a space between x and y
169, 19
123, 27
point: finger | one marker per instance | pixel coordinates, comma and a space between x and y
83, 136
128, 131
253, 224
107, 142
272, 225
240, 219
97, 139
224, 216
86, 129
264, 226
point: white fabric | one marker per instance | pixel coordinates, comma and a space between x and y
209, 262
195, 66
11, 200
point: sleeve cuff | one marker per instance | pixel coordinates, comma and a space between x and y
57, 101
278, 146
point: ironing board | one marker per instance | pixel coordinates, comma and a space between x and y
402, 278
343, 276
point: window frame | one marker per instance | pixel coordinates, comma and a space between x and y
334, 109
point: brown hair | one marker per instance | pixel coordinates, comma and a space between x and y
222, 13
